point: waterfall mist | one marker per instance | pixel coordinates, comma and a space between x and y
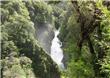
45, 35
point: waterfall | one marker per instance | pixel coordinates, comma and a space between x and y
56, 51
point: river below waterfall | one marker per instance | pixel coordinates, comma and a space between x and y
56, 50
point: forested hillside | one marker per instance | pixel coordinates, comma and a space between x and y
28, 30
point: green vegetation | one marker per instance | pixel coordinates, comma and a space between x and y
85, 36
22, 56
87, 43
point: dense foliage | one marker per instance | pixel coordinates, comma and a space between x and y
87, 44
85, 36
22, 55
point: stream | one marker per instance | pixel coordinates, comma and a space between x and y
56, 50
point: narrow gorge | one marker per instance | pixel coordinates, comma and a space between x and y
55, 38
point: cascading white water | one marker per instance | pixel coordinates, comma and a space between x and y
56, 51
